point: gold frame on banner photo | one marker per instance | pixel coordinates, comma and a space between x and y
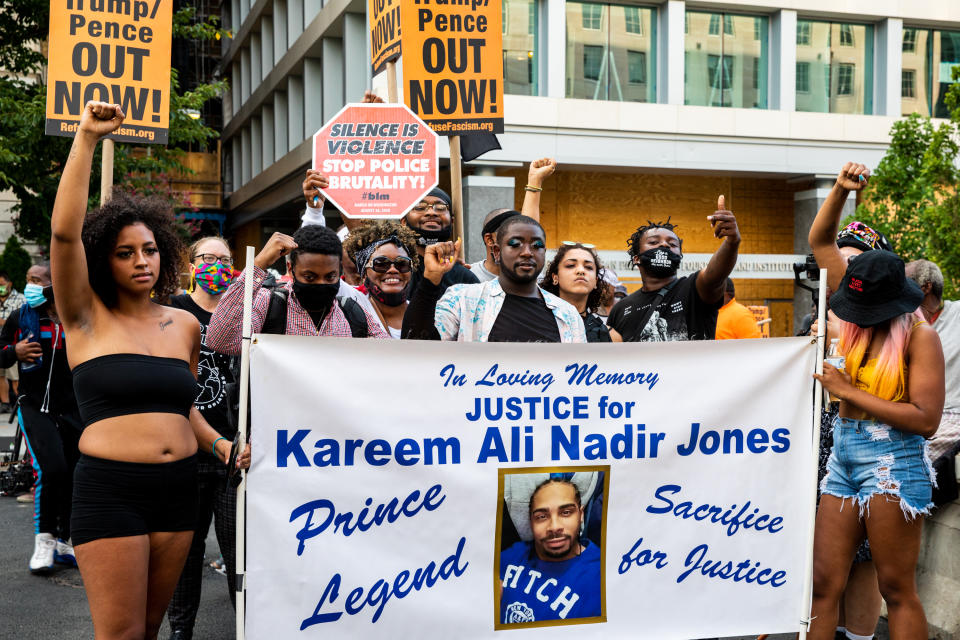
499, 625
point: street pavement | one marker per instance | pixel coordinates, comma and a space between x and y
54, 607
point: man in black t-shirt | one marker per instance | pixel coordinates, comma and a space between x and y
509, 308
668, 308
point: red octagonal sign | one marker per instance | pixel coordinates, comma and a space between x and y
380, 159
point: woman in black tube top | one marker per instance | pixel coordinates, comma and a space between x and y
134, 368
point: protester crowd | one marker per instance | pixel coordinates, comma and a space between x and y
132, 429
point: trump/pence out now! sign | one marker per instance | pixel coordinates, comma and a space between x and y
115, 51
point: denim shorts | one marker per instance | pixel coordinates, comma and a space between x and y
869, 458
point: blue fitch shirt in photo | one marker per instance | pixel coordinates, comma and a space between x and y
536, 590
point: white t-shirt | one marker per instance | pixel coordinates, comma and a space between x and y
947, 326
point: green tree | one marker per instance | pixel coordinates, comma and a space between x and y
15, 261
912, 195
31, 162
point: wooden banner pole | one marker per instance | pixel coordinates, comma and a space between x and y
106, 171
392, 82
456, 187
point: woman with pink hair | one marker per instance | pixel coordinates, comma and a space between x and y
891, 391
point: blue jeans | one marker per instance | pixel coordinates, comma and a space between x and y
870, 458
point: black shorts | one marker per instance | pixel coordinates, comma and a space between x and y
112, 499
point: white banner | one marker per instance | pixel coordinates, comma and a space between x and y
392, 489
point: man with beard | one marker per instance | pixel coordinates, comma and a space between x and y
311, 307
431, 219
555, 576
668, 308
510, 308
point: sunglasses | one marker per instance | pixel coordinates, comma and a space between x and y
571, 243
381, 264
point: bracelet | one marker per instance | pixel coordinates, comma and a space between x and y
213, 447
530, 187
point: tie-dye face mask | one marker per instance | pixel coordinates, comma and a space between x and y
214, 278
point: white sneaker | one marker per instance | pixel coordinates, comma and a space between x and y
43, 550
64, 554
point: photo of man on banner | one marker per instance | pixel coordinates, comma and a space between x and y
551, 561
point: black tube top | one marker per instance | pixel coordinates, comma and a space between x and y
121, 384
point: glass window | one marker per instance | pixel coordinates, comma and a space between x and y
592, 14
908, 84
945, 52
803, 77
616, 60
909, 40
504, 16
837, 59
632, 19
520, 70
637, 66
846, 35
845, 73
730, 71
592, 61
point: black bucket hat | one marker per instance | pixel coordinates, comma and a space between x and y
874, 289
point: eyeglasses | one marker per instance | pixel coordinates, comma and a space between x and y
571, 243
439, 207
381, 264
212, 258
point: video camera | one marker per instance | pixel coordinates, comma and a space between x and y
16, 479
811, 269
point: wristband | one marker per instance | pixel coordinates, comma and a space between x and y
213, 447
530, 187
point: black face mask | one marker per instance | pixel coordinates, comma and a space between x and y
394, 299
315, 297
432, 236
660, 262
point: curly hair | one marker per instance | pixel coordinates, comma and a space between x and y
597, 298
634, 248
316, 238
369, 233
102, 226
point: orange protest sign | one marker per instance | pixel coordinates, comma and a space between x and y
384, 32
453, 64
115, 51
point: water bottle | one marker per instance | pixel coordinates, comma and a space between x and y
834, 357
36, 364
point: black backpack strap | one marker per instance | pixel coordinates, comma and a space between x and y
275, 321
355, 316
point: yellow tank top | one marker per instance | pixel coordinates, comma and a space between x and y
867, 373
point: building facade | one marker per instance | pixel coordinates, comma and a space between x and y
652, 109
